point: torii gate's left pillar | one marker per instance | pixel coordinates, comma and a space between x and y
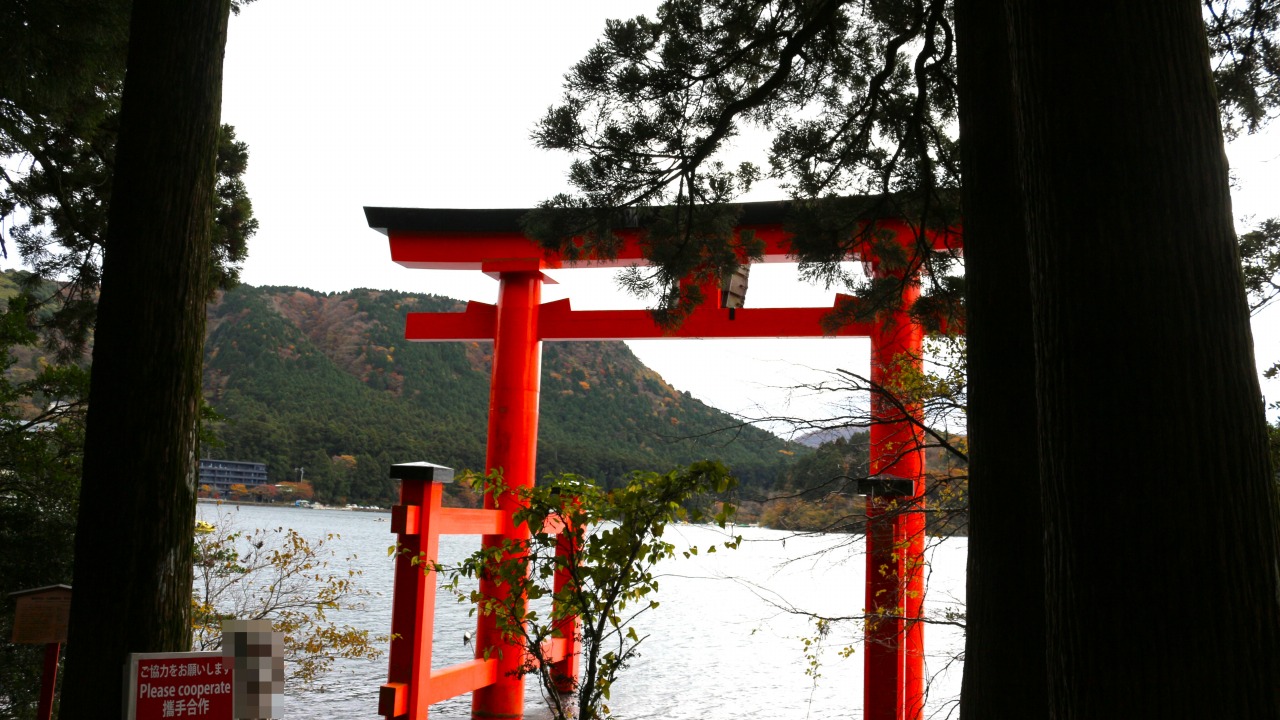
512, 450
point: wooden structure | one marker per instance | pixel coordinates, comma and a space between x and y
492, 242
40, 617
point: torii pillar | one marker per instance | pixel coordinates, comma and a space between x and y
512, 451
893, 667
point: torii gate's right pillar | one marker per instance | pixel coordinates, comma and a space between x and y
893, 663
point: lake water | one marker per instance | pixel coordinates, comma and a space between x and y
725, 643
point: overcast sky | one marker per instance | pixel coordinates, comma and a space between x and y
425, 103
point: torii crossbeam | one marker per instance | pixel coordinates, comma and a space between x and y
491, 241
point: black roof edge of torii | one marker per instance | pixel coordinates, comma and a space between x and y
507, 220
504, 220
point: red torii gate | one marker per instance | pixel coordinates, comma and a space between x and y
491, 241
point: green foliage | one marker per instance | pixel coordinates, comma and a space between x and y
607, 566
1243, 41
653, 105
1260, 259
65, 192
656, 99
1273, 449
819, 492
41, 434
59, 114
60, 54
823, 470
280, 576
233, 222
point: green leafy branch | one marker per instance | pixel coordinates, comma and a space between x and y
603, 546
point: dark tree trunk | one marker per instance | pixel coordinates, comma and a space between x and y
1005, 596
1159, 509
133, 542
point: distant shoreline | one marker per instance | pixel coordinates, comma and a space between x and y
290, 506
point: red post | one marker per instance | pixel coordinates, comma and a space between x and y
405, 695
512, 446
48, 680
881, 669
893, 664
565, 671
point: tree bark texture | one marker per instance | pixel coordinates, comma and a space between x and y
1005, 595
133, 542
1159, 509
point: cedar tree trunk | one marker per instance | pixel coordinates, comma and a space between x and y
1005, 596
137, 507
1159, 508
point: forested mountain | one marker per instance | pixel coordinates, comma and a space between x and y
326, 382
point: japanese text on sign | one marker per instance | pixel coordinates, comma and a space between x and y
179, 685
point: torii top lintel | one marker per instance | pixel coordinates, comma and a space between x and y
492, 240
465, 239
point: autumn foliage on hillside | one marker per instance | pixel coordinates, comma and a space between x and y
324, 384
